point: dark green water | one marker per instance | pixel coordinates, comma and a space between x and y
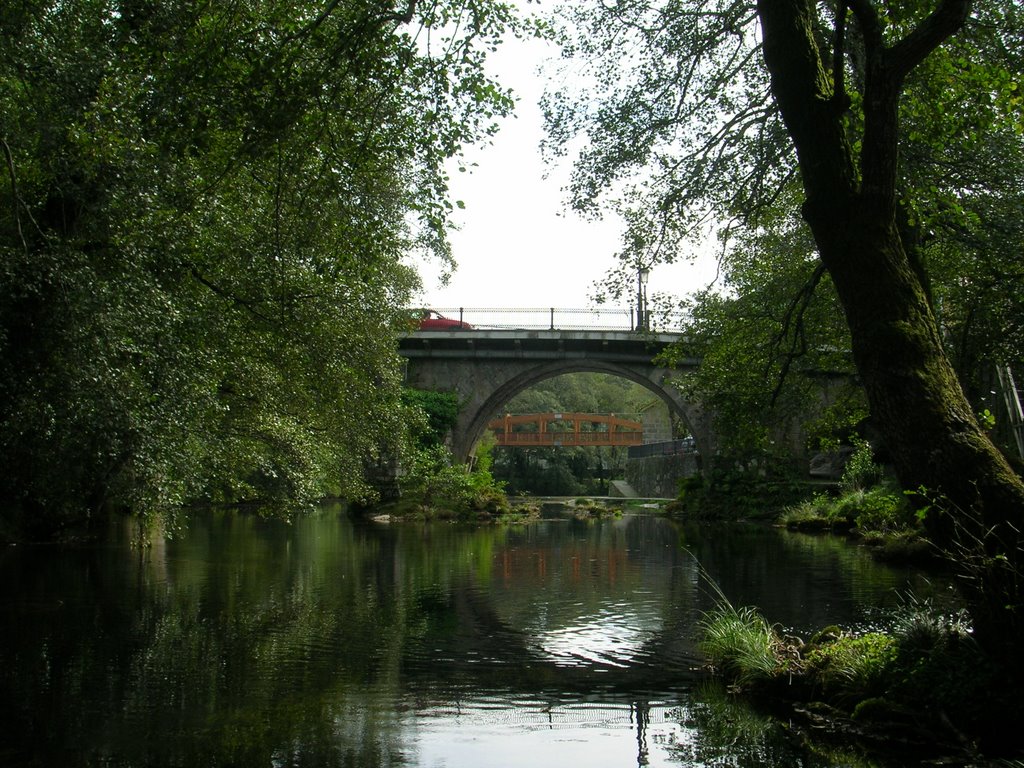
326, 642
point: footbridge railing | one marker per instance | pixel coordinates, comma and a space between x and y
563, 319
566, 430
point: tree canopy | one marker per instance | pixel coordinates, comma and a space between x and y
889, 116
685, 132
205, 214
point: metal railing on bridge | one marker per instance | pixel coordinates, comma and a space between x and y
561, 319
565, 430
665, 448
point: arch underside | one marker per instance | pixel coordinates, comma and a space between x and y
477, 415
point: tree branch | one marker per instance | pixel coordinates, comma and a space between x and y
840, 100
249, 306
14, 192
944, 21
802, 90
794, 317
16, 196
870, 26
398, 17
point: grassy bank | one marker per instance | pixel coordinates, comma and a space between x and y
870, 508
923, 688
879, 517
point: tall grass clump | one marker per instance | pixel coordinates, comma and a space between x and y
927, 684
740, 643
820, 513
865, 503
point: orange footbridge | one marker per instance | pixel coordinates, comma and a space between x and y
567, 430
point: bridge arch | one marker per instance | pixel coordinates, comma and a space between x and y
485, 368
477, 412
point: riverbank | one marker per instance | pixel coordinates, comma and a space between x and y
921, 685
924, 689
514, 509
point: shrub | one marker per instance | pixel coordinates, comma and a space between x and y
853, 668
449, 489
731, 490
861, 471
798, 515
814, 514
878, 510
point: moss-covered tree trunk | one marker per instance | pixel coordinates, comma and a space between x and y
851, 206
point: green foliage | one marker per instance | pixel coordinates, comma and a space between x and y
878, 511
861, 471
772, 322
907, 167
853, 668
986, 418
821, 512
583, 393
204, 213
864, 502
837, 423
437, 486
437, 411
764, 336
689, 486
684, 130
940, 668
962, 137
757, 486
924, 679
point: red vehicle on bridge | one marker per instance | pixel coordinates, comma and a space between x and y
429, 320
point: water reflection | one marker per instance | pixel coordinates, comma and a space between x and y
614, 636
327, 642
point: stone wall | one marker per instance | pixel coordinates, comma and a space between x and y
657, 424
658, 476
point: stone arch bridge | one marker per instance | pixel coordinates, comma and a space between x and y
487, 368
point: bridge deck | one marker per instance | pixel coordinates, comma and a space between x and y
613, 346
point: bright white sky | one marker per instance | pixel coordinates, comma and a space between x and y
518, 245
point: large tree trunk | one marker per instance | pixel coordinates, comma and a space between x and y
977, 501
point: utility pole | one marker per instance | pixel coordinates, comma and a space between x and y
642, 320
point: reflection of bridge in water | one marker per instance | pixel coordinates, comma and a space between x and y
593, 624
587, 626
566, 430
575, 719
575, 613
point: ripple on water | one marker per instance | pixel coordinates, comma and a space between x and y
617, 634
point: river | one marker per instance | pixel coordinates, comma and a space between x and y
331, 641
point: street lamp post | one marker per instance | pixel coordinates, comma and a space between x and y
642, 321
